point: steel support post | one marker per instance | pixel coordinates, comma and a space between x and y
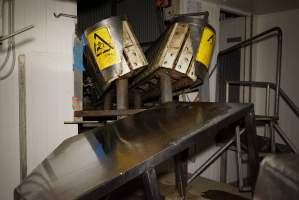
181, 172
108, 100
166, 88
239, 158
151, 185
22, 117
272, 137
137, 100
122, 94
250, 131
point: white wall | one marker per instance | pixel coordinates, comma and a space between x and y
48, 51
266, 60
214, 11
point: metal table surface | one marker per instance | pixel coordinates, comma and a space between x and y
94, 163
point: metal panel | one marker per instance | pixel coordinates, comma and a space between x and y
278, 178
92, 164
145, 19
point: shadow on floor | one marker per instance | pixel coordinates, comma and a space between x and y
221, 195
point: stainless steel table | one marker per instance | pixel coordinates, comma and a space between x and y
93, 164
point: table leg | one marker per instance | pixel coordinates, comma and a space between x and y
250, 130
151, 185
223, 167
181, 172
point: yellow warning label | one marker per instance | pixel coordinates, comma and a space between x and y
103, 48
206, 46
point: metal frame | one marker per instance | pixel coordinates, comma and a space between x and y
175, 148
106, 113
272, 120
273, 32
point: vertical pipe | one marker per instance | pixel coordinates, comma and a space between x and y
244, 61
239, 158
267, 110
223, 159
227, 92
268, 100
22, 117
272, 135
250, 57
122, 94
278, 74
166, 88
250, 131
181, 172
223, 167
137, 100
151, 185
78, 94
108, 100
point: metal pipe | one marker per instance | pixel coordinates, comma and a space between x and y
108, 100
137, 100
246, 43
278, 74
267, 107
285, 138
272, 134
289, 102
64, 15
239, 158
211, 160
244, 60
267, 111
279, 57
251, 83
284, 96
166, 88
250, 57
227, 92
16, 33
250, 40
22, 117
122, 94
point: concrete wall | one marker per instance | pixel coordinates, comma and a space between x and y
265, 62
48, 51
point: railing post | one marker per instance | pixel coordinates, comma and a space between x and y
227, 92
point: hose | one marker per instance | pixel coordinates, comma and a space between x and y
11, 44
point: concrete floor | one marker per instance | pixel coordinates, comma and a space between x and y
199, 189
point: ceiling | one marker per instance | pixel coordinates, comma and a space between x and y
259, 6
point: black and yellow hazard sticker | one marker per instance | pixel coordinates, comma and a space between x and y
103, 48
206, 46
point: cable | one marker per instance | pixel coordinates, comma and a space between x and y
11, 41
16, 33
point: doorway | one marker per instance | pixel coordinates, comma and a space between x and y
231, 65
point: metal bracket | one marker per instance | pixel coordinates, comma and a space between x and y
64, 15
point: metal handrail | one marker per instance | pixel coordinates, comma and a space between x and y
273, 32
259, 84
285, 97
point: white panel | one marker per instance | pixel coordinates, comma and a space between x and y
266, 62
214, 11
48, 51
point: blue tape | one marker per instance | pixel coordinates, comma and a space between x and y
78, 51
